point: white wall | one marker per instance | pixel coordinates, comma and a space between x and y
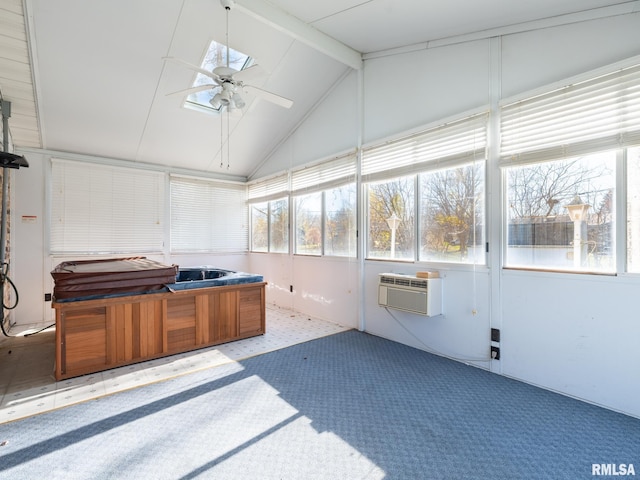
29, 265
322, 287
405, 91
570, 333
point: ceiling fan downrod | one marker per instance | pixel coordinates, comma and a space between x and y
227, 4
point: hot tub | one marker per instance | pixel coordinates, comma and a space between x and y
193, 308
205, 276
112, 278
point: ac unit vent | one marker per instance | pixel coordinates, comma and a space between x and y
404, 281
410, 294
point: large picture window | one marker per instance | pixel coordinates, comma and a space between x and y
561, 214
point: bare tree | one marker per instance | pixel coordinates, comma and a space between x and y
538, 195
385, 199
544, 189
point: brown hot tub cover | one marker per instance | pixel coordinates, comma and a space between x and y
111, 276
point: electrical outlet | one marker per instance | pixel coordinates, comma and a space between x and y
495, 335
47, 297
495, 353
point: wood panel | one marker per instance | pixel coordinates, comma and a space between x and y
150, 328
252, 314
85, 341
223, 316
181, 323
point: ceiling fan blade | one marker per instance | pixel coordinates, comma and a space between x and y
199, 88
209, 74
270, 96
249, 73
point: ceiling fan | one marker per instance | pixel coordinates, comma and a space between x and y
229, 81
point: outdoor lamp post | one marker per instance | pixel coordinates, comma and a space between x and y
578, 215
394, 222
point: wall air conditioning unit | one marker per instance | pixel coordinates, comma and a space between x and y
422, 296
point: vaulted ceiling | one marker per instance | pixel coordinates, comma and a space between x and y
89, 77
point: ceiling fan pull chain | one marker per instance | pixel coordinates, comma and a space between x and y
221, 144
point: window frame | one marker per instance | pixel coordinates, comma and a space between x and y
449, 144
568, 198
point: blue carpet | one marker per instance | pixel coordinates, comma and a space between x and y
348, 406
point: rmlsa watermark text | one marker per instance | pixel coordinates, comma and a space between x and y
613, 469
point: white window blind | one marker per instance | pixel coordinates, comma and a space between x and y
585, 117
99, 209
454, 142
208, 216
268, 189
324, 175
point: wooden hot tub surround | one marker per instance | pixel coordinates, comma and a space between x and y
99, 334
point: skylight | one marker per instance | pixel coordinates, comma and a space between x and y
216, 56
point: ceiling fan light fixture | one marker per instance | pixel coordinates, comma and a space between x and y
225, 97
238, 101
215, 101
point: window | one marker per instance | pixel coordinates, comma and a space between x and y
452, 215
279, 226
269, 205
340, 221
208, 216
326, 222
260, 227
559, 150
270, 226
560, 214
309, 224
325, 207
440, 170
216, 56
391, 218
102, 209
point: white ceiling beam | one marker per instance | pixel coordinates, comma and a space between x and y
296, 28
